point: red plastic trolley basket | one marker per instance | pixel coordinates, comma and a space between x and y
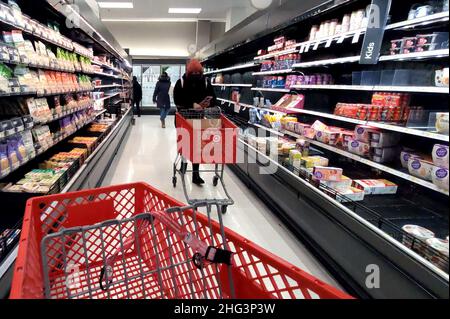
133, 241
206, 137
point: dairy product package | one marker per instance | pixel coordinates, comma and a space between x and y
440, 176
442, 123
362, 133
383, 139
340, 186
406, 155
319, 126
295, 158
438, 254
418, 232
421, 168
376, 186
322, 173
328, 137
312, 161
353, 194
359, 148
384, 155
440, 155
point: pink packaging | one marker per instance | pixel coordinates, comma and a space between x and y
330, 174
362, 133
359, 148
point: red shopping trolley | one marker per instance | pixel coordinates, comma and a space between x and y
133, 241
205, 137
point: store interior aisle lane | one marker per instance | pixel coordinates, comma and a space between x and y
148, 156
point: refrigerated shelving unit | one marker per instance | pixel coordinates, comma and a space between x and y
346, 236
116, 88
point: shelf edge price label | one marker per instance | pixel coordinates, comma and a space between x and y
316, 46
356, 36
302, 48
307, 47
329, 42
341, 39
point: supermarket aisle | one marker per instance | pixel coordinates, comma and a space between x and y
148, 156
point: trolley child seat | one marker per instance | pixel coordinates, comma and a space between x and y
205, 137
133, 241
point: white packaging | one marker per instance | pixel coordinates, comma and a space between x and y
341, 186
418, 232
442, 123
384, 139
440, 177
353, 194
359, 148
384, 155
406, 155
376, 186
362, 133
421, 168
440, 155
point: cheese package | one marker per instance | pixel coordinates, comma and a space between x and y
416, 232
313, 161
359, 148
442, 123
340, 186
322, 173
295, 158
440, 177
330, 137
421, 168
319, 126
406, 155
384, 139
376, 186
353, 194
440, 155
362, 133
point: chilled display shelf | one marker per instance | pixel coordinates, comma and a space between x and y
232, 85
64, 114
276, 54
416, 55
368, 162
106, 66
273, 131
244, 105
107, 75
107, 97
236, 67
46, 148
385, 88
107, 86
274, 72
355, 34
271, 90
350, 59
423, 21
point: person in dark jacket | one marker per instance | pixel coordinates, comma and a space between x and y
190, 93
137, 96
161, 97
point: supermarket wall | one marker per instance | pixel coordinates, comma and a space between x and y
144, 39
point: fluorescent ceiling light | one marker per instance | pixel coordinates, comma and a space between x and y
185, 10
161, 20
115, 5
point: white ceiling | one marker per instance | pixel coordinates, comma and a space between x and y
158, 9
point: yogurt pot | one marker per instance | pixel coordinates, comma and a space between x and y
416, 237
437, 252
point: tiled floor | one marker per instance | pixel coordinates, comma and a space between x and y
148, 157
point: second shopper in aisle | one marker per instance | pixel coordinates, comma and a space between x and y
161, 97
191, 92
137, 96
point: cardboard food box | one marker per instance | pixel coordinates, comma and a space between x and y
384, 139
291, 101
376, 186
421, 168
340, 186
363, 133
359, 148
312, 161
322, 173
353, 194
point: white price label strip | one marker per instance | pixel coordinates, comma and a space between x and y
302, 48
329, 42
316, 46
307, 48
341, 39
356, 37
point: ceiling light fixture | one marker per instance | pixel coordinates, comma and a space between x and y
115, 5
185, 10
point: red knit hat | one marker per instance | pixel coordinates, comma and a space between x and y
194, 66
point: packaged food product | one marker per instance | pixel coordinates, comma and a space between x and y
442, 123
376, 186
421, 168
363, 133
384, 139
327, 173
384, 154
359, 148
343, 185
353, 195
441, 155
295, 158
303, 146
406, 155
313, 161
4, 162
330, 136
416, 232
438, 254
440, 177
319, 126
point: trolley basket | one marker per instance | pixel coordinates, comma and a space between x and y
133, 241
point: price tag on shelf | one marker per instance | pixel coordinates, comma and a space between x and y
356, 37
329, 42
316, 46
307, 47
341, 39
302, 48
